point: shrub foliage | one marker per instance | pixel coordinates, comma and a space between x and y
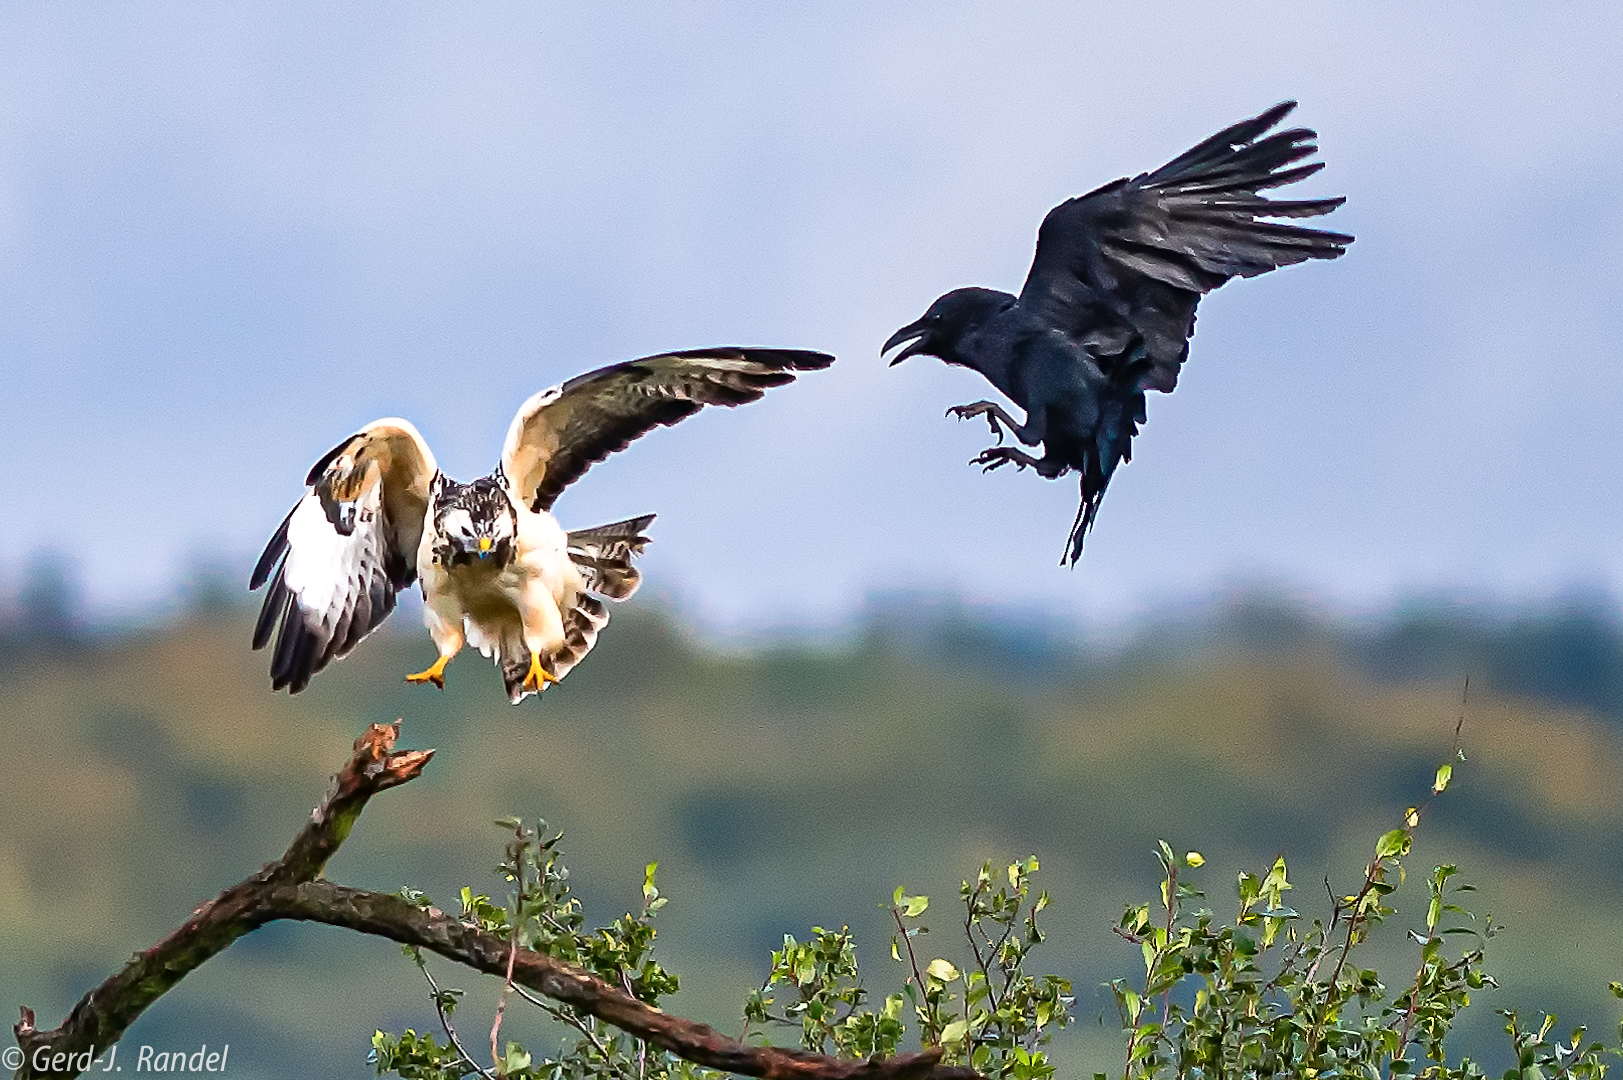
1265, 993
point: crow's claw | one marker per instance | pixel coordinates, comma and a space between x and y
995, 457
980, 408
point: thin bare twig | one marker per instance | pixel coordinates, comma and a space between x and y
912, 960
501, 1006
565, 1017
445, 1023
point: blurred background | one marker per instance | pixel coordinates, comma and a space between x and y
231, 235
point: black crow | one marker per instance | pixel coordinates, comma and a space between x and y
1109, 305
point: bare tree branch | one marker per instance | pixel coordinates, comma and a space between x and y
102, 1016
291, 888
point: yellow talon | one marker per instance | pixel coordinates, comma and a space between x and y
538, 676
434, 674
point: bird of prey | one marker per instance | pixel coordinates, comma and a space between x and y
497, 571
1109, 304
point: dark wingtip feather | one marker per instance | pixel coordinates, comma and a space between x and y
300, 652
270, 612
1269, 117
807, 360
274, 550
783, 359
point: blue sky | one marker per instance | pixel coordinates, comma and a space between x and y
230, 234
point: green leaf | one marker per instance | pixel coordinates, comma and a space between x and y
955, 1032
1393, 843
941, 969
1194, 859
916, 906
517, 1059
1444, 774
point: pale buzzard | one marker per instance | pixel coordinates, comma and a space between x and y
497, 571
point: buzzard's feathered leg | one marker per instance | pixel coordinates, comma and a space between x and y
543, 632
448, 639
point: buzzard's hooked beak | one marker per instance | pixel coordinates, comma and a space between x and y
917, 330
484, 547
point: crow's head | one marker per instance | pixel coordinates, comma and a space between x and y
942, 329
476, 523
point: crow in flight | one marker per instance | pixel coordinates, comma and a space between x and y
1109, 305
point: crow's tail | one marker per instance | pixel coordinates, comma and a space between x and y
1085, 514
1112, 445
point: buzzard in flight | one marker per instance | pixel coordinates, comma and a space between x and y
497, 570
1108, 307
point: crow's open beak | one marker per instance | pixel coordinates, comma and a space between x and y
911, 330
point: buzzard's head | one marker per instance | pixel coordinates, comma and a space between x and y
475, 523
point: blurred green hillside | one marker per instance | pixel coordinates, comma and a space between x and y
796, 784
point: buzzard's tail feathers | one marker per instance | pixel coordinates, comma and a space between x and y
604, 555
513, 674
581, 625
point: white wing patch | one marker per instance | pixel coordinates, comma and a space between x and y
331, 588
337, 580
349, 545
515, 430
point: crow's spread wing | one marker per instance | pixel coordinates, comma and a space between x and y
344, 551
1130, 260
560, 433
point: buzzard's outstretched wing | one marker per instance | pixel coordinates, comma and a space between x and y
561, 432
345, 550
1132, 258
